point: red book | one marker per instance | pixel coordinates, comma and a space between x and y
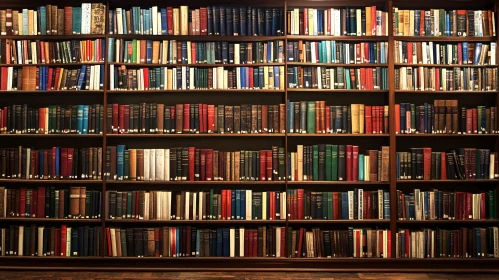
121, 118
201, 118
202, 156
349, 162
224, 204
443, 166
482, 207
50, 85
368, 119
193, 52
263, 167
63, 240
209, 164
459, 53
126, 117
64, 162
173, 242
109, 248
381, 118
203, 16
22, 202
474, 120
283, 242
34, 203
389, 243
146, 72
53, 172
426, 163
5, 77
368, 211
115, 125
409, 52
305, 22
469, 120
157, 238
397, 118
301, 25
355, 162
421, 23
300, 242
328, 29
328, 118
186, 118
250, 74
336, 206
211, 118
299, 201
191, 153
359, 244
56, 84
229, 205
469, 203
272, 206
373, 21
41, 202
269, 165
437, 79
363, 81
374, 118
205, 118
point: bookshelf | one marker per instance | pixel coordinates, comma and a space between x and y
232, 142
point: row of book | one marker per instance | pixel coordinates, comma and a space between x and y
222, 20
375, 78
53, 20
326, 162
46, 52
88, 77
445, 79
444, 205
306, 117
441, 22
185, 78
337, 52
187, 241
152, 118
190, 52
448, 243
466, 53
48, 202
366, 21
56, 119
192, 205
444, 116
43, 241
350, 205
193, 164
456, 164
55, 163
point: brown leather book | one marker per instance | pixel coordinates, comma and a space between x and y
265, 120
155, 52
98, 18
229, 119
455, 116
74, 202
160, 109
215, 164
25, 78
90, 162
442, 116
133, 164
436, 113
128, 18
178, 203
140, 164
150, 242
282, 119
237, 166
61, 203
254, 119
228, 175
373, 165
53, 19
448, 116
68, 21
99, 164
275, 121
237, 119
60, 22
118, 243
259, 118
3, 22
83, 197
179, 114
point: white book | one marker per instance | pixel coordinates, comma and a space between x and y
278, 242
220, 77
28, 162
201, 206
350, 205
86, 10
315, 20
168, 205
385, 251
119, 21
293, 167
160, 163
146, 207
299, 152
264, 205
113, 242
283, 206
417, 203
192, 78
241, 242
166, 164
10, 74
249, 200
20, 248
147, 168
186, 206
319, 77
152, 165
238, 77
184, 75
226, 79
184, 17
359, 22
111, 77
232, 238
194, 206
154, 15
491, 166
292, 18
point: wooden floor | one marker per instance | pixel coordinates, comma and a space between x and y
235, 276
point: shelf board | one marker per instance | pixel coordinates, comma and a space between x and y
194, 135
447, 181
337, 183
448, 222
53, 64
197, 90
198, 182
133, 221
367, 65
443, 65
55, 37
445, 135
370, 221
444, 39
436, 92
337, 38
53, 135
50, 220
198, 38
50, 91
198, 64
37, 181
334, 90
336, 135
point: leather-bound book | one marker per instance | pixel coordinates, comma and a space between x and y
140, 164
82, 200
74, 203
98, 18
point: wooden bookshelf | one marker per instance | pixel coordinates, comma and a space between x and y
287, 140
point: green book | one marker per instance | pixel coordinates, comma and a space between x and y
479, 116
441, 24
134, 51
126, 165
413, 115
329, 205
329, 174
130, 207
315, 163
334, 162
311, 117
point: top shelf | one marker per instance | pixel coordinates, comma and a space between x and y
444, 39
197, 37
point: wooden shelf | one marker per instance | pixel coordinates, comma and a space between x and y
37, 181
443, 65
437, 92
337, 183
447, 181
336, 135
198, 64
448, 222
197, 90
55, 37
198, 38
53, 64
337, 38
370, 221
446, 135
50, 91
53, 135
366, 65
198, 182
335, 90
444, 39
133, 221
50, 220
195, 135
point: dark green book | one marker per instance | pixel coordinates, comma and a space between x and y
328, 162
334, 162
311, 117
322, 158
315, 163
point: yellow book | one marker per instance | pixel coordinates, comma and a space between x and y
30, 23
355, 118
169, 82
368, 22
176, 21
184, 17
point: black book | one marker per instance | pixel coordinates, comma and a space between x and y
268, 22
243, 21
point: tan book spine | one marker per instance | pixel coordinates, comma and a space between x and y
82, 200
133, 164
140, 164
74, 202
385, 163
355, 118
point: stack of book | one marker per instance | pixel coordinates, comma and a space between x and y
193, 164
326, 162
457, 164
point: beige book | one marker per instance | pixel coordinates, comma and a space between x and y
184, 17
355, 118
299, 152
176, 21
361, 118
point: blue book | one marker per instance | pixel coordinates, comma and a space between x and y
198, 242
478, 50
81, 78
25, 22
179, 241
256, 76
361, 167
76, 20
261, 80
278, 204
43, 20
120, 161
149, 51
344, 206
465, 52
386, 205
238, 204
219, 242
58, 161
347, 79
79, 119
164, 22
447, 24
85, 119
126, 28
291, 116
226, 242
111, 53
276, 77
101, 82
243, 204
